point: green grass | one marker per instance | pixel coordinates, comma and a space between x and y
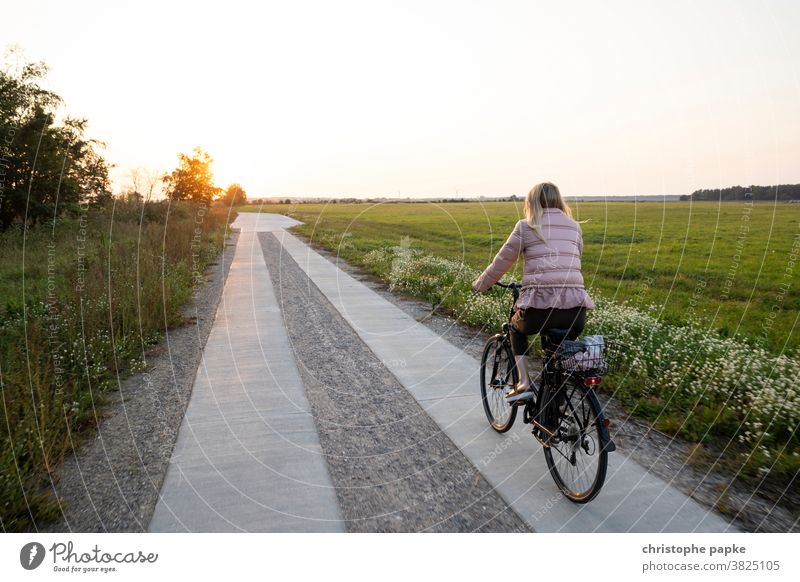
82, 301
679, 259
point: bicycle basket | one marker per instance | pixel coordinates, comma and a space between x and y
594, 355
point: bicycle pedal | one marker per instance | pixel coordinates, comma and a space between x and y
522, 396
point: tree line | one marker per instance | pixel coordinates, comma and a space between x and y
49, 166
779, 192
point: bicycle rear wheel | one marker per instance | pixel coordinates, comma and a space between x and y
498, 375
576, 455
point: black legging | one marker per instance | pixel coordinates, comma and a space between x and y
529, 321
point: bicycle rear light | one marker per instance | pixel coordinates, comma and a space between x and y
592, 380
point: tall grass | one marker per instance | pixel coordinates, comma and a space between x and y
82, 299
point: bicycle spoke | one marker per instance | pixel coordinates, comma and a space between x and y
577, 459
584, 418
569, 396
498, 361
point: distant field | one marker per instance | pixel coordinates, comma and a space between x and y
726, 267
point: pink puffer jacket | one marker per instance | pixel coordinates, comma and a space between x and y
552, 272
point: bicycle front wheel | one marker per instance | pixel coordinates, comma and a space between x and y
498, 376
576, 455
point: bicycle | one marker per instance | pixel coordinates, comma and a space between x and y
563, 409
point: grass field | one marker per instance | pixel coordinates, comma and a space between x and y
706, 296
723, 267
81, 302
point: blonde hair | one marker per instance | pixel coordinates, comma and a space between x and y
541, 196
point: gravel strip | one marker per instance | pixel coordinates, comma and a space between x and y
658, 452
111, 483
393, 468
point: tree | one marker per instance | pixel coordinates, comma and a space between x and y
44, 167
192, 179
145, 183
234, 195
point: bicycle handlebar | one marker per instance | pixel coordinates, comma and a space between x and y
511, 285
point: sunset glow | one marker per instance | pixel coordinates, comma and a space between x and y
433, 98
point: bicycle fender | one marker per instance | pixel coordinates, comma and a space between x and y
607, 444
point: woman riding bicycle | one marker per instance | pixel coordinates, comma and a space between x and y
553, 295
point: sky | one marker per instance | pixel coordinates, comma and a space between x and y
431, 98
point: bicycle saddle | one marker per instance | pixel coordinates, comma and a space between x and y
556, 335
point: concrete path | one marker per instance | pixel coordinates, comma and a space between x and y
393, 468
248, 456
444, 380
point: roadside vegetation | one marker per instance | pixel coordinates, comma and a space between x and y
84, 299
88, 282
